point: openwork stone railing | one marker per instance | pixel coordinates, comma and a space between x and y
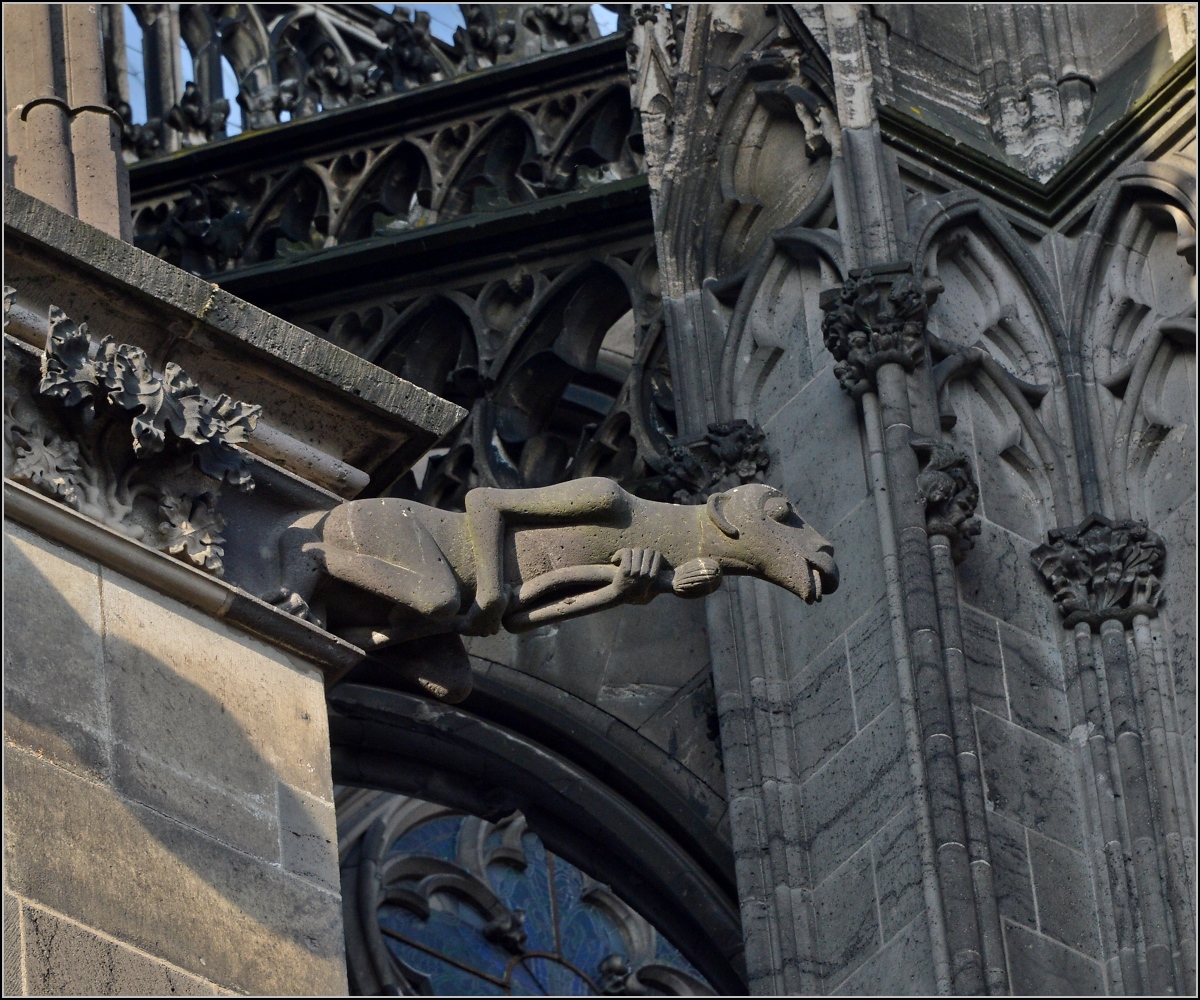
296, 60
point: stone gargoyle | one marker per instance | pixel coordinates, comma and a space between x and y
394, 575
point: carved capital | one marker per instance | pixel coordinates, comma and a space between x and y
1102, 570
874, 320
730, 454
948, 488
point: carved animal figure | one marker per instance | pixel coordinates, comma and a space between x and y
387, 571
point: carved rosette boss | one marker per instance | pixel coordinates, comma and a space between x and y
1102, 571
874, 320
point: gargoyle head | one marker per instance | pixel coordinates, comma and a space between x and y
773, 542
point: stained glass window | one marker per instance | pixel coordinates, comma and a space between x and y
467, 907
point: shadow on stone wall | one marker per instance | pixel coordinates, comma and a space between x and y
166, 781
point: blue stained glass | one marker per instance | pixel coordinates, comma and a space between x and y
471, 942
437, 838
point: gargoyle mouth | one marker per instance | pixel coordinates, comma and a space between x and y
824, 573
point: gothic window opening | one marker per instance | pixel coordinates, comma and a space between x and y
442, 903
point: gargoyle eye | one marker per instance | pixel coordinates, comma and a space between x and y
777, 508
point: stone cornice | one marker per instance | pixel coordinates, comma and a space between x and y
177, 580
618, 209
1048, 203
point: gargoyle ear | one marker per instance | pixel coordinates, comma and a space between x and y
716, 511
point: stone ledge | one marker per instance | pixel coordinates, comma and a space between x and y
175, 579
358, 383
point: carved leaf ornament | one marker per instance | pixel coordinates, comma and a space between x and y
89, 458
77, 371
869, 324
1102, 570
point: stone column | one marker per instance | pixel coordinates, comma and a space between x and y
1105, 579
63, 139
38, 138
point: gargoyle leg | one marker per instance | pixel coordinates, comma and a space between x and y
490, 511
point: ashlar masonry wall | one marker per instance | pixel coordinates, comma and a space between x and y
168, 806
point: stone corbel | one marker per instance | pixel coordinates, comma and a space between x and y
948, 487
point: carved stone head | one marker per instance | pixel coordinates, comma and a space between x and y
772, 541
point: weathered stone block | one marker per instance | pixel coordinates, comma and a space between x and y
1000, 579
872, 664
822, 709
571, 655
903, 967
14, 979
1036, 686
65, 958
1065, 902
1030, 779
1044, 967
687, 729
209, 701
308, 839
53, 677
856, 793
114, 865
985, 662
1010, 870
240, 820
825, 483
808, 629
847, 921
898, 873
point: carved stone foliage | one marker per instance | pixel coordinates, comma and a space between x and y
730, 454
1102, 570
572, 139
950, 495
296, 60
431, 907
873, 321
107, 434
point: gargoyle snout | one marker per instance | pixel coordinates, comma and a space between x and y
786, 551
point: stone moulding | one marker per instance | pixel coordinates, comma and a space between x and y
1048, 203
1102, 571
179, 581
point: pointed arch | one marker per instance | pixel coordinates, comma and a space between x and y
549, 388
1133, 322
502, 167
396, 192
598, 136
772, 298
293, 218
431, 344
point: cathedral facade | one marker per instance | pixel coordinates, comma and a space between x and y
922, 275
